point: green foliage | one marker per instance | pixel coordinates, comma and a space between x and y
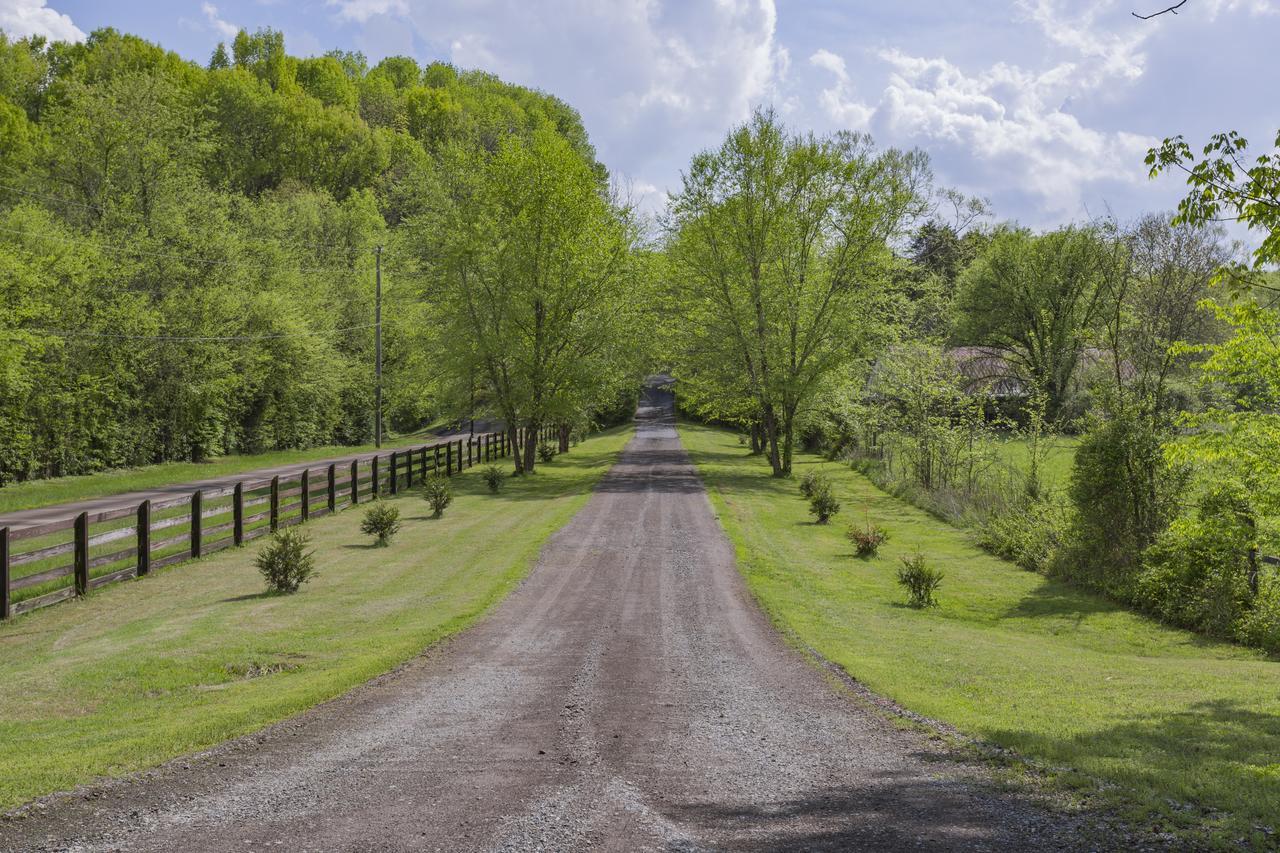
778, 249
1123, 495
1027, 533
547, 452
1035, 300
823, 504
284, 561
382, 520
186, 253
920, 580
493, 477
814, 482
867, 538
541, 301
438, 493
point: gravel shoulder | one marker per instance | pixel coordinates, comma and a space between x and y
630, 695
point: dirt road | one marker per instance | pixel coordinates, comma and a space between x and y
628, 696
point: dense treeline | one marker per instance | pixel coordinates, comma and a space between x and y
829, 294
187, 253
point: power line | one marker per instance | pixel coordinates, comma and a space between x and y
211, 262
279, 242
61, 333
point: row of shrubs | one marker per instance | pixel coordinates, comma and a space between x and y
286, 563
1196, 572
915, 575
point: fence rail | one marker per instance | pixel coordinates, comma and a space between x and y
209, 520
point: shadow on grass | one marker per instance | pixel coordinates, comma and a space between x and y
364, 546
1052, 598
1226, 757
252, 596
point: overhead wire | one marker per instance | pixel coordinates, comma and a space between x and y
62, 333
119, 250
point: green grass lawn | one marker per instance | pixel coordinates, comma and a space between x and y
38, 493
1059, 452
1123, 711
146, 670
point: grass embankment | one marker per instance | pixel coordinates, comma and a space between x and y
38, 493
143, 671
1161, 718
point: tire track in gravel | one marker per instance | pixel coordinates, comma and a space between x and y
629, 695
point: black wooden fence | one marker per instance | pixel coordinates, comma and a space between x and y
129, 542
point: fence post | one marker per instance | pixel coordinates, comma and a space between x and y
275, 503
144, 538
333, 488
448, 458
4, 573
82, 553
436, 469
237, 515
373, 479
422, 470
355, 481
197, 508
469, 462
460, 468
306, 494
408, 469
393, 487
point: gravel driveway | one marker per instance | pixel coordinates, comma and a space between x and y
628, 696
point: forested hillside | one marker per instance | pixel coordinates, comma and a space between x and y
187, 253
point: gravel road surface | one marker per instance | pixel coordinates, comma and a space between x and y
628, 696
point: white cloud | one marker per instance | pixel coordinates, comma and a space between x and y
362, 10
33, 18
1107, 51
838, 100
1008, 121
223, 28
1251, 7
654, 79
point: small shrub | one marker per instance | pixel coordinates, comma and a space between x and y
546, 452
437, 492
812, 483
285, 562
920, 581
381, 520
823, 505
867, 539
742, 440
492, 476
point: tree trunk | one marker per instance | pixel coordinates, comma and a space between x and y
788, 430
770, 424
564, 438
756, 444
530, 447
517, 455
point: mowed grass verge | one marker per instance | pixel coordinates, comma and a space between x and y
142, 671
57, 490
1171, 729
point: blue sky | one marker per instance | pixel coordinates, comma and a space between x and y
1045, 107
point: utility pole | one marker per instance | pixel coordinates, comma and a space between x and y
377, 350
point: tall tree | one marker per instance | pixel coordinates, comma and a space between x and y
529, 275
777, 243
1038, 301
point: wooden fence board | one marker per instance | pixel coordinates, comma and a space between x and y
43, 600
42, 577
